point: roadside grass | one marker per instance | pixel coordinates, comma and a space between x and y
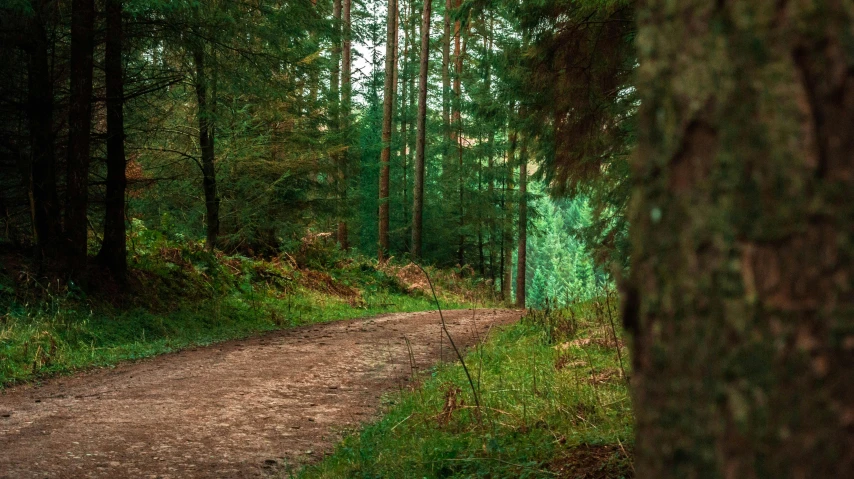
553, 401
181, 296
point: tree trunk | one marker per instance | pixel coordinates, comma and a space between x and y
740, 296
507, 234
346, 88
446, 96
42, 171
420, 141
79, 128
493, 234
335, 74
113, 252
334, 105
206, 145
404, 111
456, 134
388, 111
522, 255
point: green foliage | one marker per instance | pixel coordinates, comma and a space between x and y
548, 394
561, 268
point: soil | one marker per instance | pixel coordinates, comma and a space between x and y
248, 408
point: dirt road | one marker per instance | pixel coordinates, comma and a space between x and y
237, 409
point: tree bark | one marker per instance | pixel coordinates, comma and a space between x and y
404, 110
79, 129
420, 141
206, 145
456, 134
507, 234
346, 88
113, 252
40, 108
522, 255
388, 111
490, 188
446, 86
740, 298
335, 74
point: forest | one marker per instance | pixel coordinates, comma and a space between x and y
650, 201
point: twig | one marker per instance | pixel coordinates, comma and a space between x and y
401, 422
450, 339
614, 332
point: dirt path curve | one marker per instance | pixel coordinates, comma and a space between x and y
235, 409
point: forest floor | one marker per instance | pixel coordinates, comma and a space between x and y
246, 408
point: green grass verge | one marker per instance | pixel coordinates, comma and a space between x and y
554, 403
182, 296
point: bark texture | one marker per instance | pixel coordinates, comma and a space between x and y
206, 145
79, 129
346, 96
740, 296
40, 113
446, 87
420, 141
113, 253
507, 234
388, 113
522, 254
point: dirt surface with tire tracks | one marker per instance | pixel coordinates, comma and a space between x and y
246, 408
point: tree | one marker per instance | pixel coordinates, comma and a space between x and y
388, 113
522, 255
79, 129
507, 233
113, 253
740, 294
346, 101
205, 104
421, 140
46, 216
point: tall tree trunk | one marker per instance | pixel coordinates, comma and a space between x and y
411, 139
522, 255
206, 145
335, 74
346, 88
388, 112
446, 94
420, 141
740, 296
404, 110
456, 134
334, 104
79, 128
113, 252
493, 234
507, 234
40, 108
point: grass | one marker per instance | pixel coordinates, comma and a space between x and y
181, 296
554, 403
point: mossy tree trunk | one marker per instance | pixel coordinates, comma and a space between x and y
740, 296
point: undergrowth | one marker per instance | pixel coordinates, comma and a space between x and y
180, 295
554, 403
